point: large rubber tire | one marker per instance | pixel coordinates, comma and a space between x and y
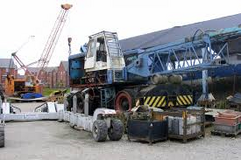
116, 130
125, 100
2, 138
100, 130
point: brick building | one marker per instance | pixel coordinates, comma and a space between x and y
7, 66
51, 80
63, 75
46, 76
53, 77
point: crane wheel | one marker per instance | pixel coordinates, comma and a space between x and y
100, 130
124, 100
116, 130
2, 139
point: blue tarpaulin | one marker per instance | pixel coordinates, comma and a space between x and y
31, 95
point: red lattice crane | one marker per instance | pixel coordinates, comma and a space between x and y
53, 38
31, 82
22, 65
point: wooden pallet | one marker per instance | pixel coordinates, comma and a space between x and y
186, 138
225, 134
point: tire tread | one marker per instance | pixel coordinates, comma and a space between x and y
116, 131
102, 130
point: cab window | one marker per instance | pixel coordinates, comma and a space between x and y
91, 49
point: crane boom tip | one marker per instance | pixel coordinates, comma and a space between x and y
66, 6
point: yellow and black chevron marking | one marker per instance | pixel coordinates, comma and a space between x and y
161, 101
183, 100
154, 101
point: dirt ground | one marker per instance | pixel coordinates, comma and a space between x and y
43, 140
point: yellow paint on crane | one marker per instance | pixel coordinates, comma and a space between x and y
170, 104
183, 101
156, 101
151, 101
161, 102
146, 100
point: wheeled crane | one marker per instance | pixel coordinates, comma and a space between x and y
113, 84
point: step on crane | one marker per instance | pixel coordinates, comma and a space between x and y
32, 83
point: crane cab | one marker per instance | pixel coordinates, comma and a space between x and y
104, 56
20, 86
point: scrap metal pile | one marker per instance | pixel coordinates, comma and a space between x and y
235, 101
152, 124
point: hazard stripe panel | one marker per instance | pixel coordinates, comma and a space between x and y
151, 101
147, 100
154, 101
161, 101
184, 100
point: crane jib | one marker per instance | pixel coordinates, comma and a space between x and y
200, 52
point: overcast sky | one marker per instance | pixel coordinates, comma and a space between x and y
21, 19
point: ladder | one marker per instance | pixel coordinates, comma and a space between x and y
106, 96
103, 98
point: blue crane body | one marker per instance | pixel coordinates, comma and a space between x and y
151, 76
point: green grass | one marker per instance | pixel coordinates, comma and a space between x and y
48, 91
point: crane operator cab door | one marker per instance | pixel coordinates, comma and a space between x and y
90, 57
104, 54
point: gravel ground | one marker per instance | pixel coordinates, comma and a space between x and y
42, 140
